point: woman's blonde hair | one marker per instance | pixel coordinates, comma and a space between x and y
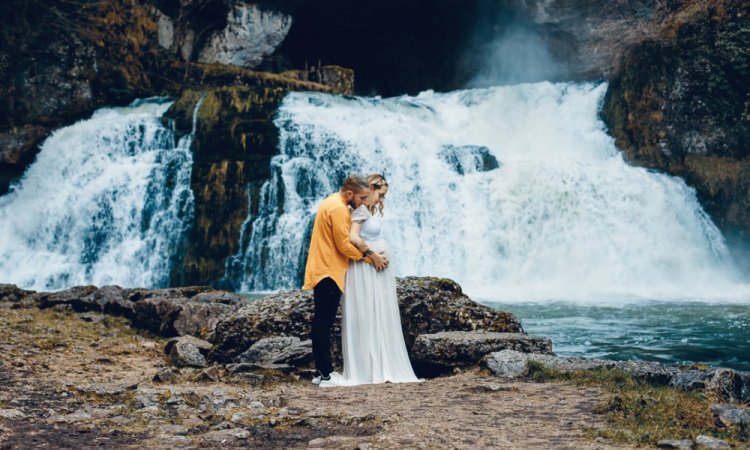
377, 181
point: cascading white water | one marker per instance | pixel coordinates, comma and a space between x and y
106, 202
562, 217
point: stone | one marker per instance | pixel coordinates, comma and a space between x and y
728, 415
427, 305
278, 352
444, 351
12, 293
250, 34
711, 443
167, 375
12, 414
174, 430
187, 351
78, 416
209, 374
469, 158
506, 363
225, 436
106, 389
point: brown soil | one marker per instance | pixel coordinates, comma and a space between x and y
50, 359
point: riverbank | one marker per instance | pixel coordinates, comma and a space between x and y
97, 367
86, 379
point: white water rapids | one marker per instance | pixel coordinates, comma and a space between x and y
563, 217
105, 202
515, 192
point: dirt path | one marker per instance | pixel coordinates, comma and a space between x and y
86, 381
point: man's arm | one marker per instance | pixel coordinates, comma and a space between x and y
341, 228
341, 225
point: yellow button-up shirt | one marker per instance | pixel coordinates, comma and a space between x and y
330, 249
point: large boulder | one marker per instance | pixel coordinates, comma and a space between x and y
441, 352
428, 305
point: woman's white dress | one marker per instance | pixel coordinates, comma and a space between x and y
372, 339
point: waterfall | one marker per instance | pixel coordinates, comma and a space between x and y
516, 192
107, 201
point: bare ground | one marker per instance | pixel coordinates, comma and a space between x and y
86, 381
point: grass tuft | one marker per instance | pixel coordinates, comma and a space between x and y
642, 414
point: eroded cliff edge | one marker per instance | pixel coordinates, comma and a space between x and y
681, 104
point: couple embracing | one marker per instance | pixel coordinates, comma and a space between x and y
348, 257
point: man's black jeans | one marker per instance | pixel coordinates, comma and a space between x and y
327, 298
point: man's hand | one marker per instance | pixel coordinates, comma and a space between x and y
378, 260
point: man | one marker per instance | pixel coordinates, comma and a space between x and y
327, 261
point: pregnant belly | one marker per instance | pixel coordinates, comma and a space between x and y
378, 245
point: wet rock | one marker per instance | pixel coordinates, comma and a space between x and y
708, 442
427, 305
187, 351
675, 443
441, 352
468, 158
278, 352
728, 415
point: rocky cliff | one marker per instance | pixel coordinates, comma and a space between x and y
681, 104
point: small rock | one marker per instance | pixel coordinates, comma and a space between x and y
187, 351
177, 430
278, 352
711, 443
12, 414
121, 420
238, 417
225, 436
106, 389
167, 375
675, 443
728, 415
210, 374
78, 416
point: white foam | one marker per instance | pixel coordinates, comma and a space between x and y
564, 217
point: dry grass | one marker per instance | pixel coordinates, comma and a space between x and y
642, 414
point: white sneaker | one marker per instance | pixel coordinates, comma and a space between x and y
316, 380
332, 382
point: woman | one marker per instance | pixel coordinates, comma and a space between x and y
372, 340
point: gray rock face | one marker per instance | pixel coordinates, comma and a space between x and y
427, 305
280, 352
441, 352
187, 351
250, 34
